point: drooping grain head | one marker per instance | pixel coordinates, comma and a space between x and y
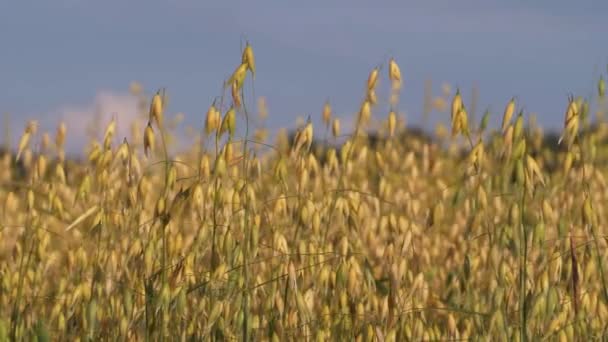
228, 122
372, 80
326, 115
394, 74
60, 135
23, 142
508, 114
456, 104
156, 109
148, 139
335, 128
392, 123
365, 112
236, 96
249, 59
109, 134
238, 77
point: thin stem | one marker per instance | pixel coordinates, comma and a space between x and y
164, 224
522, 270
247, 227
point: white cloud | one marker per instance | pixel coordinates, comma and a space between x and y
105, 105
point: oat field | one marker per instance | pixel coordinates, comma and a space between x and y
376, 234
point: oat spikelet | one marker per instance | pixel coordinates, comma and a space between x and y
568, 161
326, 113
372, 80
518, 128
123, 150
392, 123
534, 169
308, 135
508, 115
148, 139
456, 104
394, 73
197, 196
30, 130
229, 122
335, 128
238, 76
571, 123
23, 142
109, 134
212, 120
60, 136
248, 59
156, 109
365, 112
460, 122
372, 97
236, 96
304, 138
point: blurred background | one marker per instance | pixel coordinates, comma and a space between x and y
67, 59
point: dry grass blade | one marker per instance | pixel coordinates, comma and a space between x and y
82, 217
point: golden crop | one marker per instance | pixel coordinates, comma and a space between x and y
381, 234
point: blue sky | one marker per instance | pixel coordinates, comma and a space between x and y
67, 56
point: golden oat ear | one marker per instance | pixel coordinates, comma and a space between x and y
372, 79
392, 123
508, 114
156, 108
326, 114
248, 59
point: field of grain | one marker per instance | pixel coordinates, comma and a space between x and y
378, 234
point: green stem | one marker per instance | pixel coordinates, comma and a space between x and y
214, 262
164, 225
522, 271
247, 227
